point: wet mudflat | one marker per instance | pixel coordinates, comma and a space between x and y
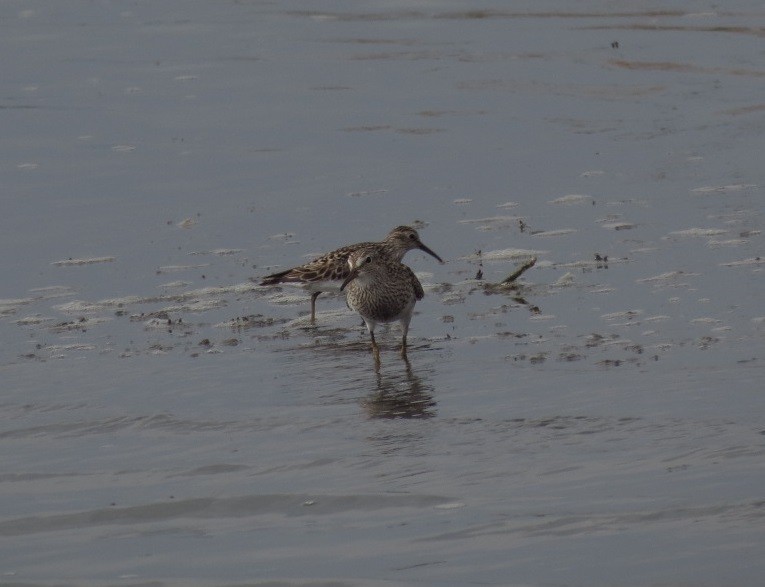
166, 421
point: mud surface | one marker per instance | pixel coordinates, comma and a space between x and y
167, 421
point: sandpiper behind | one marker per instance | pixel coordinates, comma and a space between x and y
328, 272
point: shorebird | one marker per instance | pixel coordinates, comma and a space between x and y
326, 273
381, 289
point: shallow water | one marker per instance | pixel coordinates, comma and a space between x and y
166, 421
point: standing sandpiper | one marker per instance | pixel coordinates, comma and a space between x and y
326, 273
381, 289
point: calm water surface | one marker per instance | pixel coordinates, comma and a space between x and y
166, 421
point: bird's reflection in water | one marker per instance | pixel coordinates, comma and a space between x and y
400, 394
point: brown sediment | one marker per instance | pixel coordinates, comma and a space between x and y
682, 67
740, 30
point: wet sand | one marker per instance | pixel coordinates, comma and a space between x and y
167, 421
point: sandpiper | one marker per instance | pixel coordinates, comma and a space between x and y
381, 289
327, 273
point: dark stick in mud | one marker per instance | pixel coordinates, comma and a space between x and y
510, 279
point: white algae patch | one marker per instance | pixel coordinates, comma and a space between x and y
191, 298
15, 302
618, 225
450, 506
732, 242
669, 276
82, 306
722, 189
572, 200
559, 232
70, 347
31, 320
84, 261
220, 252
705, 320
157, 324
504, 255
282, 298
196, 306
624, 315
285, 236
492, 222
698, 232
81, 324
743, 262
53, 291
659, 318
177, 268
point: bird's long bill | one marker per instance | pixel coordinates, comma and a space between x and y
422, 247
354, 274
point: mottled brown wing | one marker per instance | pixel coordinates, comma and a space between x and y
275, 278
419, 293
332, 266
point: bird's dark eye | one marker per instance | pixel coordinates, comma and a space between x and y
368, 260
411, 236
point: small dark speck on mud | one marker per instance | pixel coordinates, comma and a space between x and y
610, 363
205, 342
479, 274
614, 44
509, 334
